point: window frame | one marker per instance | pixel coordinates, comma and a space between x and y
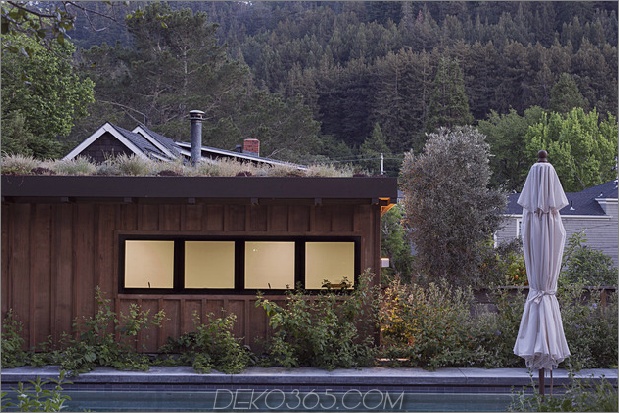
239, 262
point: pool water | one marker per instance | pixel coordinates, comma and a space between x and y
278, 400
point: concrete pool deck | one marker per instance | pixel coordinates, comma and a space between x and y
442, 380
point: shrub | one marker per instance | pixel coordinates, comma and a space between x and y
96, 343
212, 345
77, 166
590, 327
429, 326
582, 264
38, 399
15, 164
580, 395
325, 331
12, 354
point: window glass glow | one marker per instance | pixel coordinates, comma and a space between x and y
329, 261
209, 264
149, 264
269, 265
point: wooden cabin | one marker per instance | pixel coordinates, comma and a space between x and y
181, 244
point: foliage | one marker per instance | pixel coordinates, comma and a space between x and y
581, 146
42, 96
37, 398
505, 134
590, 325
585, 265
330, 330
511, 263
13, 354
429, 326
580, 395
76, 166
395, 245
211, 346
451, 211
16, 164
448, 106
37, 21
565, 95
95, 342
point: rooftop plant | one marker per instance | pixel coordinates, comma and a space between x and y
124, 165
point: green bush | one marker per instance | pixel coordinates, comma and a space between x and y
212, 345
580, 395
323, 331
590, 327
585, 265
38, 399
96, 343
429, 326
13, 354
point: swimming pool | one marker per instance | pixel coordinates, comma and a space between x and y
241, 400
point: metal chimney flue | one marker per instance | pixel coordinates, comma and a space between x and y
196, 135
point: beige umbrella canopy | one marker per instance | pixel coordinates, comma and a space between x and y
541, 339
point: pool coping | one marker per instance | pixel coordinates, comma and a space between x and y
392, 378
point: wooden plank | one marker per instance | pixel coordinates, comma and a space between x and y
172, 327
84, 260
6, 225
258, 328
343, 218
322, 219
235, 219
192, 217
149, 336
190, 308
62, 270
128, 216
170, 217
258, 218
40, 265
299, 218
104, 248
238, 306
214, 218
278, 218
148, 217
19, 267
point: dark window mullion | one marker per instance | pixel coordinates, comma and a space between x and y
179, 265
299, 264
239, 265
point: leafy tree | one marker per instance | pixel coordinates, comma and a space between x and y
510, 161
449, 104
396, 245
565, 96
580, 145
42, 96
451, 211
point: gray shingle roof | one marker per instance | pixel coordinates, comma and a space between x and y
141, 142
581, 203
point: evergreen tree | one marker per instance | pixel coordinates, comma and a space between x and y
449, 104
565, 95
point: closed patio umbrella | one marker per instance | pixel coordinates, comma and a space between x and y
541, 339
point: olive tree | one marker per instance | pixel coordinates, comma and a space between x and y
450, 208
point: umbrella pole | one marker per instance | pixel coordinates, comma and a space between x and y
541, 382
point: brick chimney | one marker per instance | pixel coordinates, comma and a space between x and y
251, 146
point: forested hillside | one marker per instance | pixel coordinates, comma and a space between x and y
346, 81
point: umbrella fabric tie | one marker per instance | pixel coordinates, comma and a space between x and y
536, 295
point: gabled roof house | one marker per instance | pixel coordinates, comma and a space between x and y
592, 210
111, 140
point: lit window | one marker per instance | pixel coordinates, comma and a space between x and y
332, 261
209, 264
269, 265
149, 264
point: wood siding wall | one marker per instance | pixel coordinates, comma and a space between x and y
55, 254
